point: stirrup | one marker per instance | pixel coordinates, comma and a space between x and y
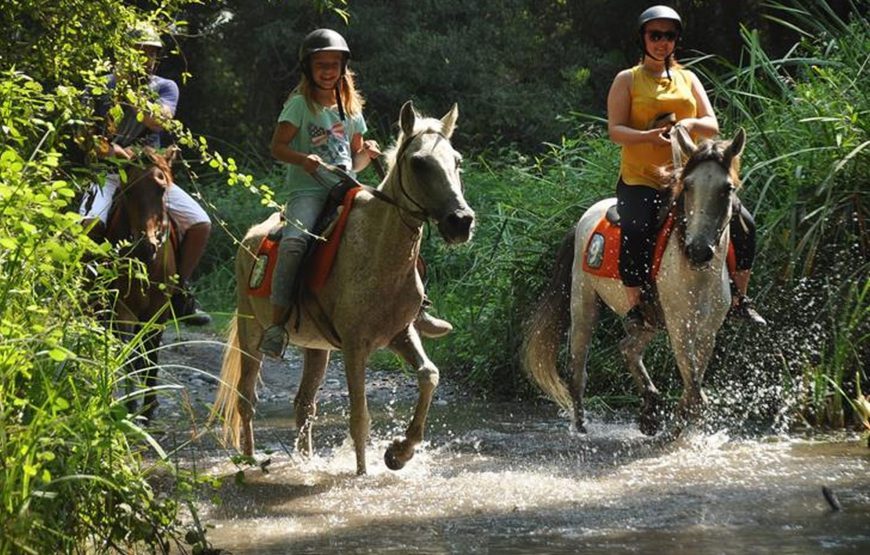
745, 310
187, 309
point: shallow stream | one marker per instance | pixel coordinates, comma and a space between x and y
495, 478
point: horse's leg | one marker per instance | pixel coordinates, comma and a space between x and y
251, 359
692, 351
407, 345
305, 403
584, 315
150, 358
632, 348
355, 357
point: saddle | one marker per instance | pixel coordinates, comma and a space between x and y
601, 252
318, 260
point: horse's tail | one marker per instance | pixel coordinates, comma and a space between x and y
545, 328
227, 398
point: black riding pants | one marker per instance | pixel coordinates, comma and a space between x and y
742, 231
638, 208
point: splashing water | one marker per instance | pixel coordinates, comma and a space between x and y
498, 478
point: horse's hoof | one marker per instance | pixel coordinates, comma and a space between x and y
579, 428
392, 460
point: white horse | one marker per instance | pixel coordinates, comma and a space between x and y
370, 299
693, 290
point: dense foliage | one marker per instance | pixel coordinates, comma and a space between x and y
516, 67
73, 470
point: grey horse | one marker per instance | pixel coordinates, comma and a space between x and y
693, 290
370, 299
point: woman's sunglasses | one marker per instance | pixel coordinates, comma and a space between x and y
658, 36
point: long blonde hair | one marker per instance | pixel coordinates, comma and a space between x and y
351, 99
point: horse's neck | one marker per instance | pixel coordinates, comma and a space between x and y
390, 231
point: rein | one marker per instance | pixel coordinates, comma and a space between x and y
420, 214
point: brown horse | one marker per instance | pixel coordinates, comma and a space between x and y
140, 227
370, 299
693, 290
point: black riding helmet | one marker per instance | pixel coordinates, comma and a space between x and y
324, 40
659, 12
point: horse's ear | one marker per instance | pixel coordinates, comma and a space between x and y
448, 122
407, 118
736, 145
687, 145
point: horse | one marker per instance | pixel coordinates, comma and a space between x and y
368, 302
139, 225
693, 290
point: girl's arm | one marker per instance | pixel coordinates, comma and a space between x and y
363, 152
280, 147
619, 112
705, 125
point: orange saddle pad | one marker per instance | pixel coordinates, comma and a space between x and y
601, 253
317, 266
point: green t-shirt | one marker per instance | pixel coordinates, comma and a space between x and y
321, 133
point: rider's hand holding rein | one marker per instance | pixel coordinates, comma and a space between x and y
364, 151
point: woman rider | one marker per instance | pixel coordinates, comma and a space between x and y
644, 102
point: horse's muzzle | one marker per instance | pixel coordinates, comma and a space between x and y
699, 254
457, 226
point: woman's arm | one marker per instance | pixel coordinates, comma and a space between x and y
280, 148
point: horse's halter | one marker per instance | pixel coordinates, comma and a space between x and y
421, 214
679, 208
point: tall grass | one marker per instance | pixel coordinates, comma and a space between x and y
806, 177
72, 470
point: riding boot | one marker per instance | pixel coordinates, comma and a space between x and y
744, 310
274, 341
430, 326
186, 307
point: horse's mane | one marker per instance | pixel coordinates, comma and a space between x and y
421, 125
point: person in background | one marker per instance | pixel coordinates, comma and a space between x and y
119, 141
643, 105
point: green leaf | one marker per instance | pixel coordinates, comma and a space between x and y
59, 355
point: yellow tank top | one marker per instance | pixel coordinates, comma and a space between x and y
650, 98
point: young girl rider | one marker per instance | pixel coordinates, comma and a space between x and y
321, 122
638, 98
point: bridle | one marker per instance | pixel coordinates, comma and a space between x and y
419, 212
165, 226
680, 210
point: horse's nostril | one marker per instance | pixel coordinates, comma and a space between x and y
460, 221
700, 254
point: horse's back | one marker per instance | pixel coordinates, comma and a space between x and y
335, 302
610, 290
